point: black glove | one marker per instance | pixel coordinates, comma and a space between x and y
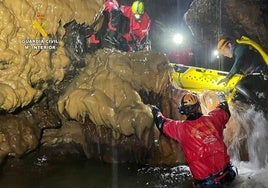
158, 120
223, 102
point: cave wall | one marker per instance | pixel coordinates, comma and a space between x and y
28, 69
26, 27
60, 96
210, 20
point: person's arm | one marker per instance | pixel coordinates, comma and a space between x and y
236, 66
166, 126
223, 103
116, 15
232, 72
221, 114
239, 53
158, 118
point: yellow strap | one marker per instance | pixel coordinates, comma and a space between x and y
246, 40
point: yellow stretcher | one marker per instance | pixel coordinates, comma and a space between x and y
201, 79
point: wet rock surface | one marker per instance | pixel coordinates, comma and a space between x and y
209, 20
92, 104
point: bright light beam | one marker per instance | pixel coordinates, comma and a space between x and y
178, 38
216, 53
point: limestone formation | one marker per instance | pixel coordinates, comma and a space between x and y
52, 95
107, 90
32, 59
29, 29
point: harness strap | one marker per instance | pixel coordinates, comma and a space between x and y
216, 177
221, 174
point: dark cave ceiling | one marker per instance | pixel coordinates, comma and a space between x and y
204, 22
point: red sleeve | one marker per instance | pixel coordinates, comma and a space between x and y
173, 129
146, 22
141, 29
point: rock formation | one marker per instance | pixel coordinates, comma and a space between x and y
32, 59
53, 93
210, 20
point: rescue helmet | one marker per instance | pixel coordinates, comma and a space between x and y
137, 8
222, 44
189, 104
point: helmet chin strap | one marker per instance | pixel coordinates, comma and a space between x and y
194, 115
137, 17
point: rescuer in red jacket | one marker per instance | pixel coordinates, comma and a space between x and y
110, 34
124, 27
201, 139
137, 36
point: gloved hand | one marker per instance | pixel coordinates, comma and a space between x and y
158, 120
224, 80
155, 110
223, 102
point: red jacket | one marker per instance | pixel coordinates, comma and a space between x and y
138, 29
202, 142
110, 4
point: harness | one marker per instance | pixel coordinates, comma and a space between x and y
218, 178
